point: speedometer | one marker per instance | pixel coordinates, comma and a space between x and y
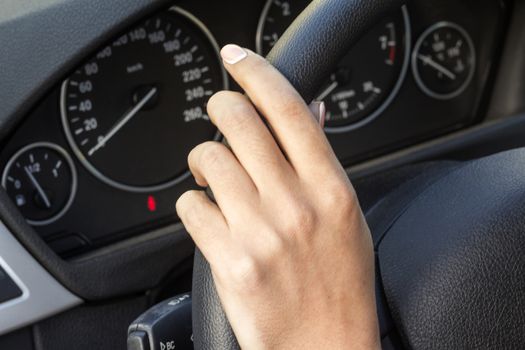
366, 80
134, 111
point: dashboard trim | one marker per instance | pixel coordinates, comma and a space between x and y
260, 26
462, 141
42, 296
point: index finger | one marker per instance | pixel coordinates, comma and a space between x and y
287, 114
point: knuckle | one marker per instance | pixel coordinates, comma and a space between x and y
247, 274
291, 106
257, 65
340, 197
210, 153
275, 247
188, 209
300, 219
231, 111
239, 115
218, 100
182, 202
192, 155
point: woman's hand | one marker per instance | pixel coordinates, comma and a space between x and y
290, 251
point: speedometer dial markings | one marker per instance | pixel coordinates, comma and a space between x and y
134, 111
366, 80
123, 121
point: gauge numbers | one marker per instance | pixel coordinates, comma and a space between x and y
41, 181
366, 80
133, 112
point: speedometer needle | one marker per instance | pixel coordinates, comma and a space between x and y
428, 60
123, 121
327, 91
38, 187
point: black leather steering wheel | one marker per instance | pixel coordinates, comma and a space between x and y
450, 244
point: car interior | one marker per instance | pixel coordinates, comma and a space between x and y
101, 102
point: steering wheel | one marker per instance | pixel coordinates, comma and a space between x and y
450, 243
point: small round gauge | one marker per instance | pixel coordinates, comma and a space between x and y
134, 111
41, 180
367, 79
444, 60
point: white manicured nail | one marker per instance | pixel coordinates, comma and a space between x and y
233, 54
318, 109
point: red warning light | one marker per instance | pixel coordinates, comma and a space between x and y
152, 204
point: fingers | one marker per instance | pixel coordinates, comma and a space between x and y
299, 135
204, 222
249, 138
213, 164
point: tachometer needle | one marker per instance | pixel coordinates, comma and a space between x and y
123, 121
38, 188
428, 60
327, 91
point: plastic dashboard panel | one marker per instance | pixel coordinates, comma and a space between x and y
42, 296
412, 117
101, 215
41, 42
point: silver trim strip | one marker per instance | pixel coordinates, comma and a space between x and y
42, 295
260, 27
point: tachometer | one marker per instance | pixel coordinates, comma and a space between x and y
366, 80
134, 111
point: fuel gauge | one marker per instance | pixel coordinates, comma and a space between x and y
41, 180
444, 60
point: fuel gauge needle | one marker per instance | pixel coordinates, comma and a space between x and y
428, 60
123, 121
38, 188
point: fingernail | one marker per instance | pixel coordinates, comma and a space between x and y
233, 54
318, 109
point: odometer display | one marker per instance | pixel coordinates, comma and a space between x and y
134, 111
366, 80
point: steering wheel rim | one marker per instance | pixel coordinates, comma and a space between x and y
305, 54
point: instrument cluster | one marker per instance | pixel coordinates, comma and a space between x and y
103, 156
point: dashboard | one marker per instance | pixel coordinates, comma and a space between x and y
102, 155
